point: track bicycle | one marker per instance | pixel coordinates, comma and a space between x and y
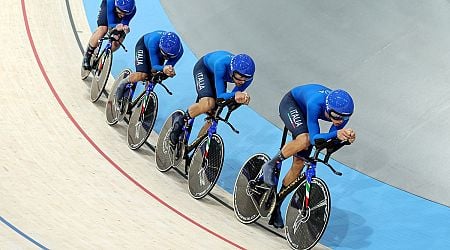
142, 111
308, 211
101, 64
204, 165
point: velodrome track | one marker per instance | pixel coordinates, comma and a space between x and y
110, 210
68, 180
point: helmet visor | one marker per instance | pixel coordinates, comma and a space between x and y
339, 117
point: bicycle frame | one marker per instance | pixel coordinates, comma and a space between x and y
210, 132
103, 51
309, 172
149, 87
190, 147
108, 47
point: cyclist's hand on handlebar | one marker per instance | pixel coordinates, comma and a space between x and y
122, 27
119, 27
242, 97
126, 29
169, 70
346, 134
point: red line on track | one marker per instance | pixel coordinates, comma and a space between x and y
99, 150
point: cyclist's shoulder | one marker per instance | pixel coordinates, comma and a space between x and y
310, 91
218, 60
314, 87
218, 55
152, 38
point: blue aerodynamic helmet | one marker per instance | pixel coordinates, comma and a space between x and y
170, 44
125, 6
243, 65
339, 104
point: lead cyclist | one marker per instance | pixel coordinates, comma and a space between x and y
300, 109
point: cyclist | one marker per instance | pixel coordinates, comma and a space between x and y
155, 51
300, 109
115, 14
211, 73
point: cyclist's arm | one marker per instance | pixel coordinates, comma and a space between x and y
154, 58
332, 133
336, 128
220, 82
313, 114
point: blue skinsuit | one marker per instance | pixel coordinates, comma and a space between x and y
311, 100
218, 63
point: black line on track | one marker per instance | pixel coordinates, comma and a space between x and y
152, 148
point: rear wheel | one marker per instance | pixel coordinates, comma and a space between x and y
113, 111
165, 156
244, 207
101, 75
142, 120
305, 227
204, 171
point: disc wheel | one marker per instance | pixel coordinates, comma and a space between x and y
164, 154
244, 208
112, 111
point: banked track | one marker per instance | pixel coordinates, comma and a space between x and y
68, 180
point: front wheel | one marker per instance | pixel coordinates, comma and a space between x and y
142, 120
112, 110
205, 166
165, 156
101, 75
244, 207
305, 226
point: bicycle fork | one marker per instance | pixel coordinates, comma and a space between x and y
205, 161
305, 211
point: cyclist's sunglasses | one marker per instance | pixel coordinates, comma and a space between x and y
121, 12
338, 117
235, 75
167, 56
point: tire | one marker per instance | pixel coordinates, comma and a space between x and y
101, 75
165, 158
142, 120
244, 208
303, 232
204, 173
112, 113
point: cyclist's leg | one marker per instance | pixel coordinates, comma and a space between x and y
300, 142
206, 93
297, 126
205, 99
102, 29
143, 68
